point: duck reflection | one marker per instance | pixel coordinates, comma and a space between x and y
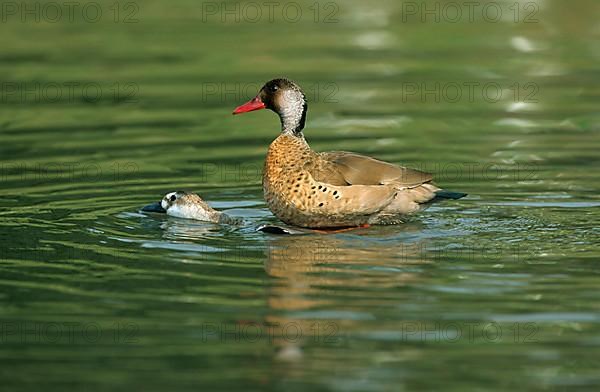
187, 229
306, 264
314, 274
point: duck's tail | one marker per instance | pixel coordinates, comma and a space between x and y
444, 194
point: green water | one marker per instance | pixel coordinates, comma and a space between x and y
495, 291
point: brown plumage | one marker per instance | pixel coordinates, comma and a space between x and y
331, 189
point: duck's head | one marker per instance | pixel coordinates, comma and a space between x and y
285, 98
188, 205
172, 199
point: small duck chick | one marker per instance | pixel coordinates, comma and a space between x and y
188, 205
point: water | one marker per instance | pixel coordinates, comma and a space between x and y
495, 290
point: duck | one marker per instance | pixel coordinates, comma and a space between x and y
335, 189
188, 205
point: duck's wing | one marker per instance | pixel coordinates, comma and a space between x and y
360, 199
347, 168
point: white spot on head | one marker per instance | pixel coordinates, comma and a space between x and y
165, 202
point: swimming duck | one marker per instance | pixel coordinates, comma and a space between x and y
332, 189
182, 204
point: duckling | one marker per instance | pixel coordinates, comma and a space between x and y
187, 205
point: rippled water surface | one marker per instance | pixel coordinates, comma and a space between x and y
497, 290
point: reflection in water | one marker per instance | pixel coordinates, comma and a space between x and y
312, 273
178, 229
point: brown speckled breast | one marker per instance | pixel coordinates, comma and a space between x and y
294, 196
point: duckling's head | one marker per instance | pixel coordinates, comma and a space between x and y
285, 98
171, 199
187, 205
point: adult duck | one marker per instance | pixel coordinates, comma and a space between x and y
332, 189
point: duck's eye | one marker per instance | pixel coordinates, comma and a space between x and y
173, 198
